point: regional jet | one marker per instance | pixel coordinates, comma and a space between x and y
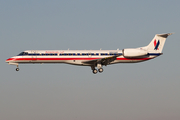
93, 58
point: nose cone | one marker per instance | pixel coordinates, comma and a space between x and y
9, 60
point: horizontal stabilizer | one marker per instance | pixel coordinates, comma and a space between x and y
164, 35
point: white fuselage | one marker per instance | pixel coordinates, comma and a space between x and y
75, 57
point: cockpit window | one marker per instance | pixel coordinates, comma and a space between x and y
23, 53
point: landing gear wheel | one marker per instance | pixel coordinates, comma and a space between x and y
17, 69
100, 70
95, 71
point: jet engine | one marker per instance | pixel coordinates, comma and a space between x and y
131, 53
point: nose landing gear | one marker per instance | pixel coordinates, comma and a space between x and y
17, 69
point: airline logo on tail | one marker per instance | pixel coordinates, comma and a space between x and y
156, 45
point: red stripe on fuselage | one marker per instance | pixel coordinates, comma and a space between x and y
52, 59
10, 59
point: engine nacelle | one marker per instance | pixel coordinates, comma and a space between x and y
131, 53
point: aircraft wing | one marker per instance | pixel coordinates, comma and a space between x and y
103, 61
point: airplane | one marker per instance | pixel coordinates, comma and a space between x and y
92, 58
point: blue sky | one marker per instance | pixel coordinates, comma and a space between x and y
148, 90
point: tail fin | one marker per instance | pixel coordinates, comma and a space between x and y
157, 43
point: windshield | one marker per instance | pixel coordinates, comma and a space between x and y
22, 53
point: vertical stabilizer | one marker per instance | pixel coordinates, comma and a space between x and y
157, 43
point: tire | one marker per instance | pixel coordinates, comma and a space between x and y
17, 69
100, 70
95, 71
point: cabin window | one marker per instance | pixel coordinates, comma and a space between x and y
103, 53
84, 54
63, 54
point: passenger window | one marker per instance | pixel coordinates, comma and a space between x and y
102, 53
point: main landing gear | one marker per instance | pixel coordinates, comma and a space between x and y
100, 69
95, 70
